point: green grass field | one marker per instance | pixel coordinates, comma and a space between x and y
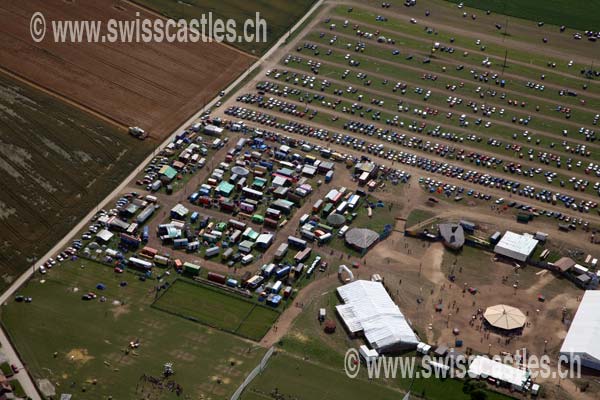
582, 15
56, 164
280, 15
91, 339
217, 309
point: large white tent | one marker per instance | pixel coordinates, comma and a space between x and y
582, 339
368, 308
515, 246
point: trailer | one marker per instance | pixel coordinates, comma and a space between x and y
283, 272
139, 264
255, 282
217, 278
297, 242
212, 251
161, 260
193, 246
180, 243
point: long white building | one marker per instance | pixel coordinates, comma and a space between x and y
369, 309
582, 340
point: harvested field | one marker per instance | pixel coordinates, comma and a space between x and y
58, 163
152, 85
280, 15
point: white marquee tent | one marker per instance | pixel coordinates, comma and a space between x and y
515, 246
582, 338
368, 308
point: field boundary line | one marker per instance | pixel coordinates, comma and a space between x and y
104, 117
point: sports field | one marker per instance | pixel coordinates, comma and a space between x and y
73, 342
217, 309
56, 163
280, 15
557, 12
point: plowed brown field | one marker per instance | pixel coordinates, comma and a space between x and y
152, 85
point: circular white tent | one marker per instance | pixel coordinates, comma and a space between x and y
504, 317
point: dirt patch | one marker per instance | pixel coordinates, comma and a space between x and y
225, 381
119, 310
79, 356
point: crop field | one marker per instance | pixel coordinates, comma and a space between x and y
152, 85
555, 12
280, 15
217, 309
73, 342
57, 162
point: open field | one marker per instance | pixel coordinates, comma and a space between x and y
217, 309
151, 85
57, 162
91, 339
555, 12
280, 15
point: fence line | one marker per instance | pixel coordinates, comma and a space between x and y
257, 370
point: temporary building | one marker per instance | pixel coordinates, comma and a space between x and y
515, 246
336, 220
179, 212
504, 317
369, 309
361, 238
484, 367
453, 235
168, 172
104, 235
582, 339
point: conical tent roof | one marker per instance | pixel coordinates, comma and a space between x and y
336, 220
504, 317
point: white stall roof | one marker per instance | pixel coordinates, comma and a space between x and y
516, 246
485, 367
368, 307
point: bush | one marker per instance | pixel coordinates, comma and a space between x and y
479, 394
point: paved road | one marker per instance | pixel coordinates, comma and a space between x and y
24, 377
